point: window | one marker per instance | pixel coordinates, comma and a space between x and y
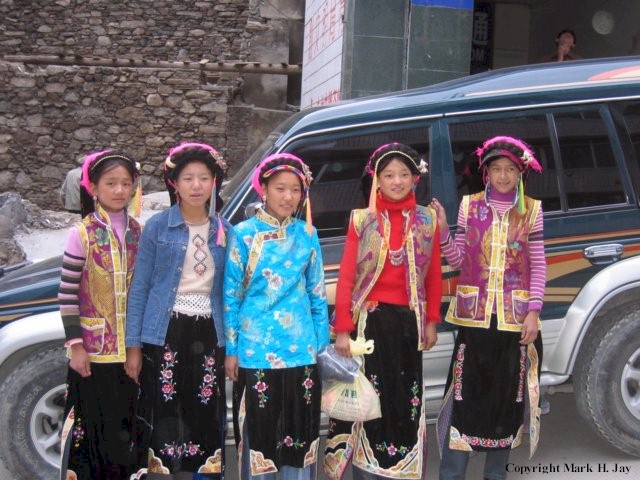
466, 137
590, 173
584, 174
337, 161
627, 117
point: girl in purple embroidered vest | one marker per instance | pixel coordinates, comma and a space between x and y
492, 393
175, 343
389, 290
97, 438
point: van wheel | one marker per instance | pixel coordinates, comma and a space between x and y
607, 382
32, 400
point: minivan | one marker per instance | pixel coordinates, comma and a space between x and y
582, 119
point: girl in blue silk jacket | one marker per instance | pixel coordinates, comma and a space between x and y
275, 319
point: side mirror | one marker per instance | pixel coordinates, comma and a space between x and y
251, 209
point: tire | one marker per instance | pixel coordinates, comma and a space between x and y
607, 382
32, 400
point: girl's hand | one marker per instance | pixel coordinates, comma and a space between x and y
441, 214
529, 328
431, 334
80, 360
231, 367
342, 345
133, 364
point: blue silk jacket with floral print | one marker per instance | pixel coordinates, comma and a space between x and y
275, 306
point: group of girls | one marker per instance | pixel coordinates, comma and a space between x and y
156, 318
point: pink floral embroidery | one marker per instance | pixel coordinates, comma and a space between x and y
289, 442
307, 384
415, 400
457, 373
168, 385
209, 385
523, 364
261, 387
488, 442
174, 450
273, 279
391, 449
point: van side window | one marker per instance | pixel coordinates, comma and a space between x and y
590, 173
467, 136
627, 116
337, 160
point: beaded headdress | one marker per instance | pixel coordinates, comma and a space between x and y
525, 160
90, 165
270, 166
392, 149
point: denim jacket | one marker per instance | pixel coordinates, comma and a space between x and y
161, 253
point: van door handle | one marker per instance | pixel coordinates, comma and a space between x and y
604, 254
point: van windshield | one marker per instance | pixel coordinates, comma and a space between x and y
232, 185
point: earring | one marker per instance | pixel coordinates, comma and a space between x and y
264, 199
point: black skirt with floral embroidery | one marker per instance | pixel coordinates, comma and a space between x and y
99, 438
279, 411
183, 405
488, 395
395, 445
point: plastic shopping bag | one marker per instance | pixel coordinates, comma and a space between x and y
333, 366
357, 401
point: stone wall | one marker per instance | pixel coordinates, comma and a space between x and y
52, 114
152, 29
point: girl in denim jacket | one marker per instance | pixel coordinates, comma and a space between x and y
175, 343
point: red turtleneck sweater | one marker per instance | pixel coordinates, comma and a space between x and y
391, 286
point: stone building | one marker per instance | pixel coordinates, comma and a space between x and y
141, 76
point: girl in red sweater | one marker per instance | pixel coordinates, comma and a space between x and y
389, 290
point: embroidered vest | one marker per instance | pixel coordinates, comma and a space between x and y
104, 284
372, 254
495, 267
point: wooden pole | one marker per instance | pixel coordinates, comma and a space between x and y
203, 65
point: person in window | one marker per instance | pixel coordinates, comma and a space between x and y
492, 393
389, 291
174, 340
276, 320
565, 43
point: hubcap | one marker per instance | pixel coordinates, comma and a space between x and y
630, 384
46, 424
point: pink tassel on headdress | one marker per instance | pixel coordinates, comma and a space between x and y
221, 238
308, 214
86, 164
212, 200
